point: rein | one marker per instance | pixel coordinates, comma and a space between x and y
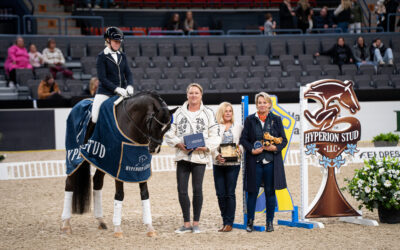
152, 117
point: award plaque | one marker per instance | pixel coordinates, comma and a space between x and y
228, 152
194, 141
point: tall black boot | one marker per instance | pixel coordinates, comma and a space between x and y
250, 226
89, 130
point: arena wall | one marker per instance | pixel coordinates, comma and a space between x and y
45, 129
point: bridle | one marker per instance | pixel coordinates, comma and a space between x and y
149, 122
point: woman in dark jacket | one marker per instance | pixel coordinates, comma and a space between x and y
112, 70
340, 53
286, 15
263, 164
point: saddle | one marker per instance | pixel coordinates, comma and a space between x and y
271, 140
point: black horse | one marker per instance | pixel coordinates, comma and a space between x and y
144, 118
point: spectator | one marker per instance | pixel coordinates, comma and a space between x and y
189, 24
48, 88
54, 59
361, 52
286, 15
174, 23
324, 20
35, 57
340, 53
93, 86
226, 172
380, 12
356, 17
391, 8
192, 117
269, 25
378, 49
17, 58
343, 14
303, 14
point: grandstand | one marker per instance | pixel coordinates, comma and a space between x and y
226, 63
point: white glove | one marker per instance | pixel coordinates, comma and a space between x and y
121, 92
130, 90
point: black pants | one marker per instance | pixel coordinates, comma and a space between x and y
13, 76
225, 179
183, 170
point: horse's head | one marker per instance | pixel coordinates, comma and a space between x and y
145, 118
158, 123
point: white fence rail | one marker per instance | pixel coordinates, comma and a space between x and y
56, 168
161, 163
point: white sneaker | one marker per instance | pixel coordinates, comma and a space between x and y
11, 84
390, 62
183, 230
89, 5
97, 6
196, 230
381, 62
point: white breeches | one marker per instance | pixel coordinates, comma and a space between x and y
66, 214
98, 100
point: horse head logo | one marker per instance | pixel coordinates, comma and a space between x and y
326, 92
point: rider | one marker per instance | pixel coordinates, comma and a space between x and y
115, 77
112, 70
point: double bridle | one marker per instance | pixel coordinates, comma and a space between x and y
150, 120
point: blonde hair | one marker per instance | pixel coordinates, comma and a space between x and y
346, 4
265, 96
304, 4
91, 84
194, 85
221, 111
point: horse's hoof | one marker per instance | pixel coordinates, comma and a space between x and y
66, 230
151, 234
102, 226
118, 235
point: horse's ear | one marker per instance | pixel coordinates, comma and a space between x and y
171, 111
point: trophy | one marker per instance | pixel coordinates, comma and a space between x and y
271, 140
229, 152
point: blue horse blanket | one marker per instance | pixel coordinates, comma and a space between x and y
108, 148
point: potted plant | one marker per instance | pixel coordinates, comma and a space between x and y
377, 185
386, 140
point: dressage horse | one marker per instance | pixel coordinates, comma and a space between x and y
143, 118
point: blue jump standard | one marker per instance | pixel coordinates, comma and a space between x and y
293, 223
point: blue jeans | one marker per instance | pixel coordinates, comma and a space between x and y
225, 179
264, 173
386, 57
344, 26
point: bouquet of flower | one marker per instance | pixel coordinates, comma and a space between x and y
377, 184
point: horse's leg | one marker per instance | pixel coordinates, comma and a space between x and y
144, 195
98, 180
66, 214
119, 197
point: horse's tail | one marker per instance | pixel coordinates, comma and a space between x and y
81, 183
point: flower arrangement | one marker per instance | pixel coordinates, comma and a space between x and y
377, 184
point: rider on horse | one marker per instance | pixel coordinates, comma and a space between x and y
112, 70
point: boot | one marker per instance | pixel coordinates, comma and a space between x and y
270, 226
89, 130
250, 226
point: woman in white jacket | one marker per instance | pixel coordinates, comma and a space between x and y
226, 173
191, 118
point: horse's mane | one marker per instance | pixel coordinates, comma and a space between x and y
153, 94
